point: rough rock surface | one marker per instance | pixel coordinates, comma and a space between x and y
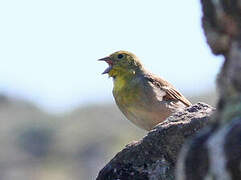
154, 156
215, 153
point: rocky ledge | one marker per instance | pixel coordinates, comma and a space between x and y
154, 156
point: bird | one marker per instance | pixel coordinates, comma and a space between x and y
143, 97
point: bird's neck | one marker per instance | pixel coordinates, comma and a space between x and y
123, 80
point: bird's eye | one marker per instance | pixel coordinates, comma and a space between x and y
120, 56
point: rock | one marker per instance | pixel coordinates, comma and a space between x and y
215, 153
154, 156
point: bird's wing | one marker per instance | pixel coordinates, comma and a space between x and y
174, 94
171, 92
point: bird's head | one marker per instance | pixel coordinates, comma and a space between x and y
122, 63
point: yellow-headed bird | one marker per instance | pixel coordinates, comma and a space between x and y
144, 98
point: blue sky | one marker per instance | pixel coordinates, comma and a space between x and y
49, 48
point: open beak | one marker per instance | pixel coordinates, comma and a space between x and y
109, 62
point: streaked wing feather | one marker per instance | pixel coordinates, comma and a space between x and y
171, 92
175, 95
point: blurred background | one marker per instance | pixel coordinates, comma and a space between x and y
58, 119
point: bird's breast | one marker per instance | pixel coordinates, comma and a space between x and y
126, 92
141, 103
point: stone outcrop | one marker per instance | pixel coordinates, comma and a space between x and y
155, 156
215, 153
